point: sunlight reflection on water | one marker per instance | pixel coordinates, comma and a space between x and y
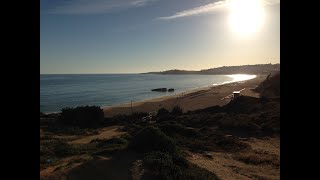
241, 77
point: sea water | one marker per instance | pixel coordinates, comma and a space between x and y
72, 90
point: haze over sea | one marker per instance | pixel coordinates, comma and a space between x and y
72, 90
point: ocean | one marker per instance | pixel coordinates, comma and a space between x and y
59, 91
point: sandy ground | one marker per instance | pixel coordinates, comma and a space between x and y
85, 163
59, 172
226, 167
105, 133
190, 100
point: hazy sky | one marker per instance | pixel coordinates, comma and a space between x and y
130, 36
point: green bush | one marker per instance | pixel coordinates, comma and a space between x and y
153, 139
125, 119
83, 117
109, 142
162, 112
177, 111
172, 129
161, 165
63, 149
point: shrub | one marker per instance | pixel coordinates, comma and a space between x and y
258, 158
171, 129
83, 117
109, 145
125, 119
162, 112
198, 173
153, 139
176, 111
109, 142
230, 144
63, 149
161, 165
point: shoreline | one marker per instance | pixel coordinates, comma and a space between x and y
191, 90
163, 96
188, 100
193, 99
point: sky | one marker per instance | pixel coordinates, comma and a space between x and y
134, 36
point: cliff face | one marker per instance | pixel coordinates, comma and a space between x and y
270, 87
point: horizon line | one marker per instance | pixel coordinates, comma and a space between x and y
150, 71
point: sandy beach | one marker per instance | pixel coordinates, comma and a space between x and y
190, 100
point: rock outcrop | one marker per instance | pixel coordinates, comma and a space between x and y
160, 90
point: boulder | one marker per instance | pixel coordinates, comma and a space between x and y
160, 89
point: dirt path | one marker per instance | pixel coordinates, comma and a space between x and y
105, 133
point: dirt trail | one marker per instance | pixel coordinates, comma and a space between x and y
105, 133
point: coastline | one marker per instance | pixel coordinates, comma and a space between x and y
189, 100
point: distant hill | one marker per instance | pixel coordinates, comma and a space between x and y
244, 69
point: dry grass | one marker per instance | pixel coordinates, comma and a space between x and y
260, 163
257, 158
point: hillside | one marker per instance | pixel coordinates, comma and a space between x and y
245, 69
270, 87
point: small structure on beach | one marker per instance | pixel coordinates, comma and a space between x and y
236, 94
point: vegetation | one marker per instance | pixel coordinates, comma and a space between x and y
82, 117
257, 157
162, 112
103, 146
176, 111
162, 165
125, 119
153, 139
54, 149
163, 159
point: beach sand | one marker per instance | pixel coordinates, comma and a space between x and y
190, 100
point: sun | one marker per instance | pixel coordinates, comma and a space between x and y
246, 16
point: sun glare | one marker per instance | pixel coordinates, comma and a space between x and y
246, 16
241, 77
